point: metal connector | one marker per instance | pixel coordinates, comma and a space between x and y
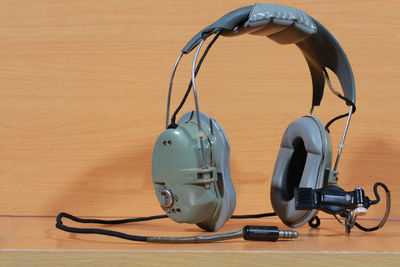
267, 233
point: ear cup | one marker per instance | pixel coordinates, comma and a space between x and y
304, 155
221, 153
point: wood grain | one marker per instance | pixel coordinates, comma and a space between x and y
83, 88
157, 258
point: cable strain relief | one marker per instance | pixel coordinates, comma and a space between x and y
260, 233
172, 126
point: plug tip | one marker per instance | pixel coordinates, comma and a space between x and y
288, 234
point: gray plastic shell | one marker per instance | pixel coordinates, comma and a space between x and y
222, 164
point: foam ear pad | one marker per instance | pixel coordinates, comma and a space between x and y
304, 155
221, 154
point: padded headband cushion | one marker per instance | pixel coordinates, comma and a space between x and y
304, 155
284, 25
287, 25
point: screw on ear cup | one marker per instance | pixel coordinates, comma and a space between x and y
304, 154
221, 153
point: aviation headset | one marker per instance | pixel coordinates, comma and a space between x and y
190, 165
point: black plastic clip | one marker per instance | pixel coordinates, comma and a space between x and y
330, 199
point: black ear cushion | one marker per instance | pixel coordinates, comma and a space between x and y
304, 155
295, 169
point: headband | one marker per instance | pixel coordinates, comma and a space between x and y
287, 25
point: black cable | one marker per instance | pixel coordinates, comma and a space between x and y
261, 233
316, 224
387, 212
343, 115
366, 229
335, 119
61, 226
140, 219
149, 218
348, 101
376, 192
173, 118
252, 216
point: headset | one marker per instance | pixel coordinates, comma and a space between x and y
190, 163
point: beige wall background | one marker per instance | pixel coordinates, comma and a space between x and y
83, 87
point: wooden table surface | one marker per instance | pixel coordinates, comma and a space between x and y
41, 234
83, 87
37, 241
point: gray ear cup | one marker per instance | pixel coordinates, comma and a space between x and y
304, 155
221, 156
